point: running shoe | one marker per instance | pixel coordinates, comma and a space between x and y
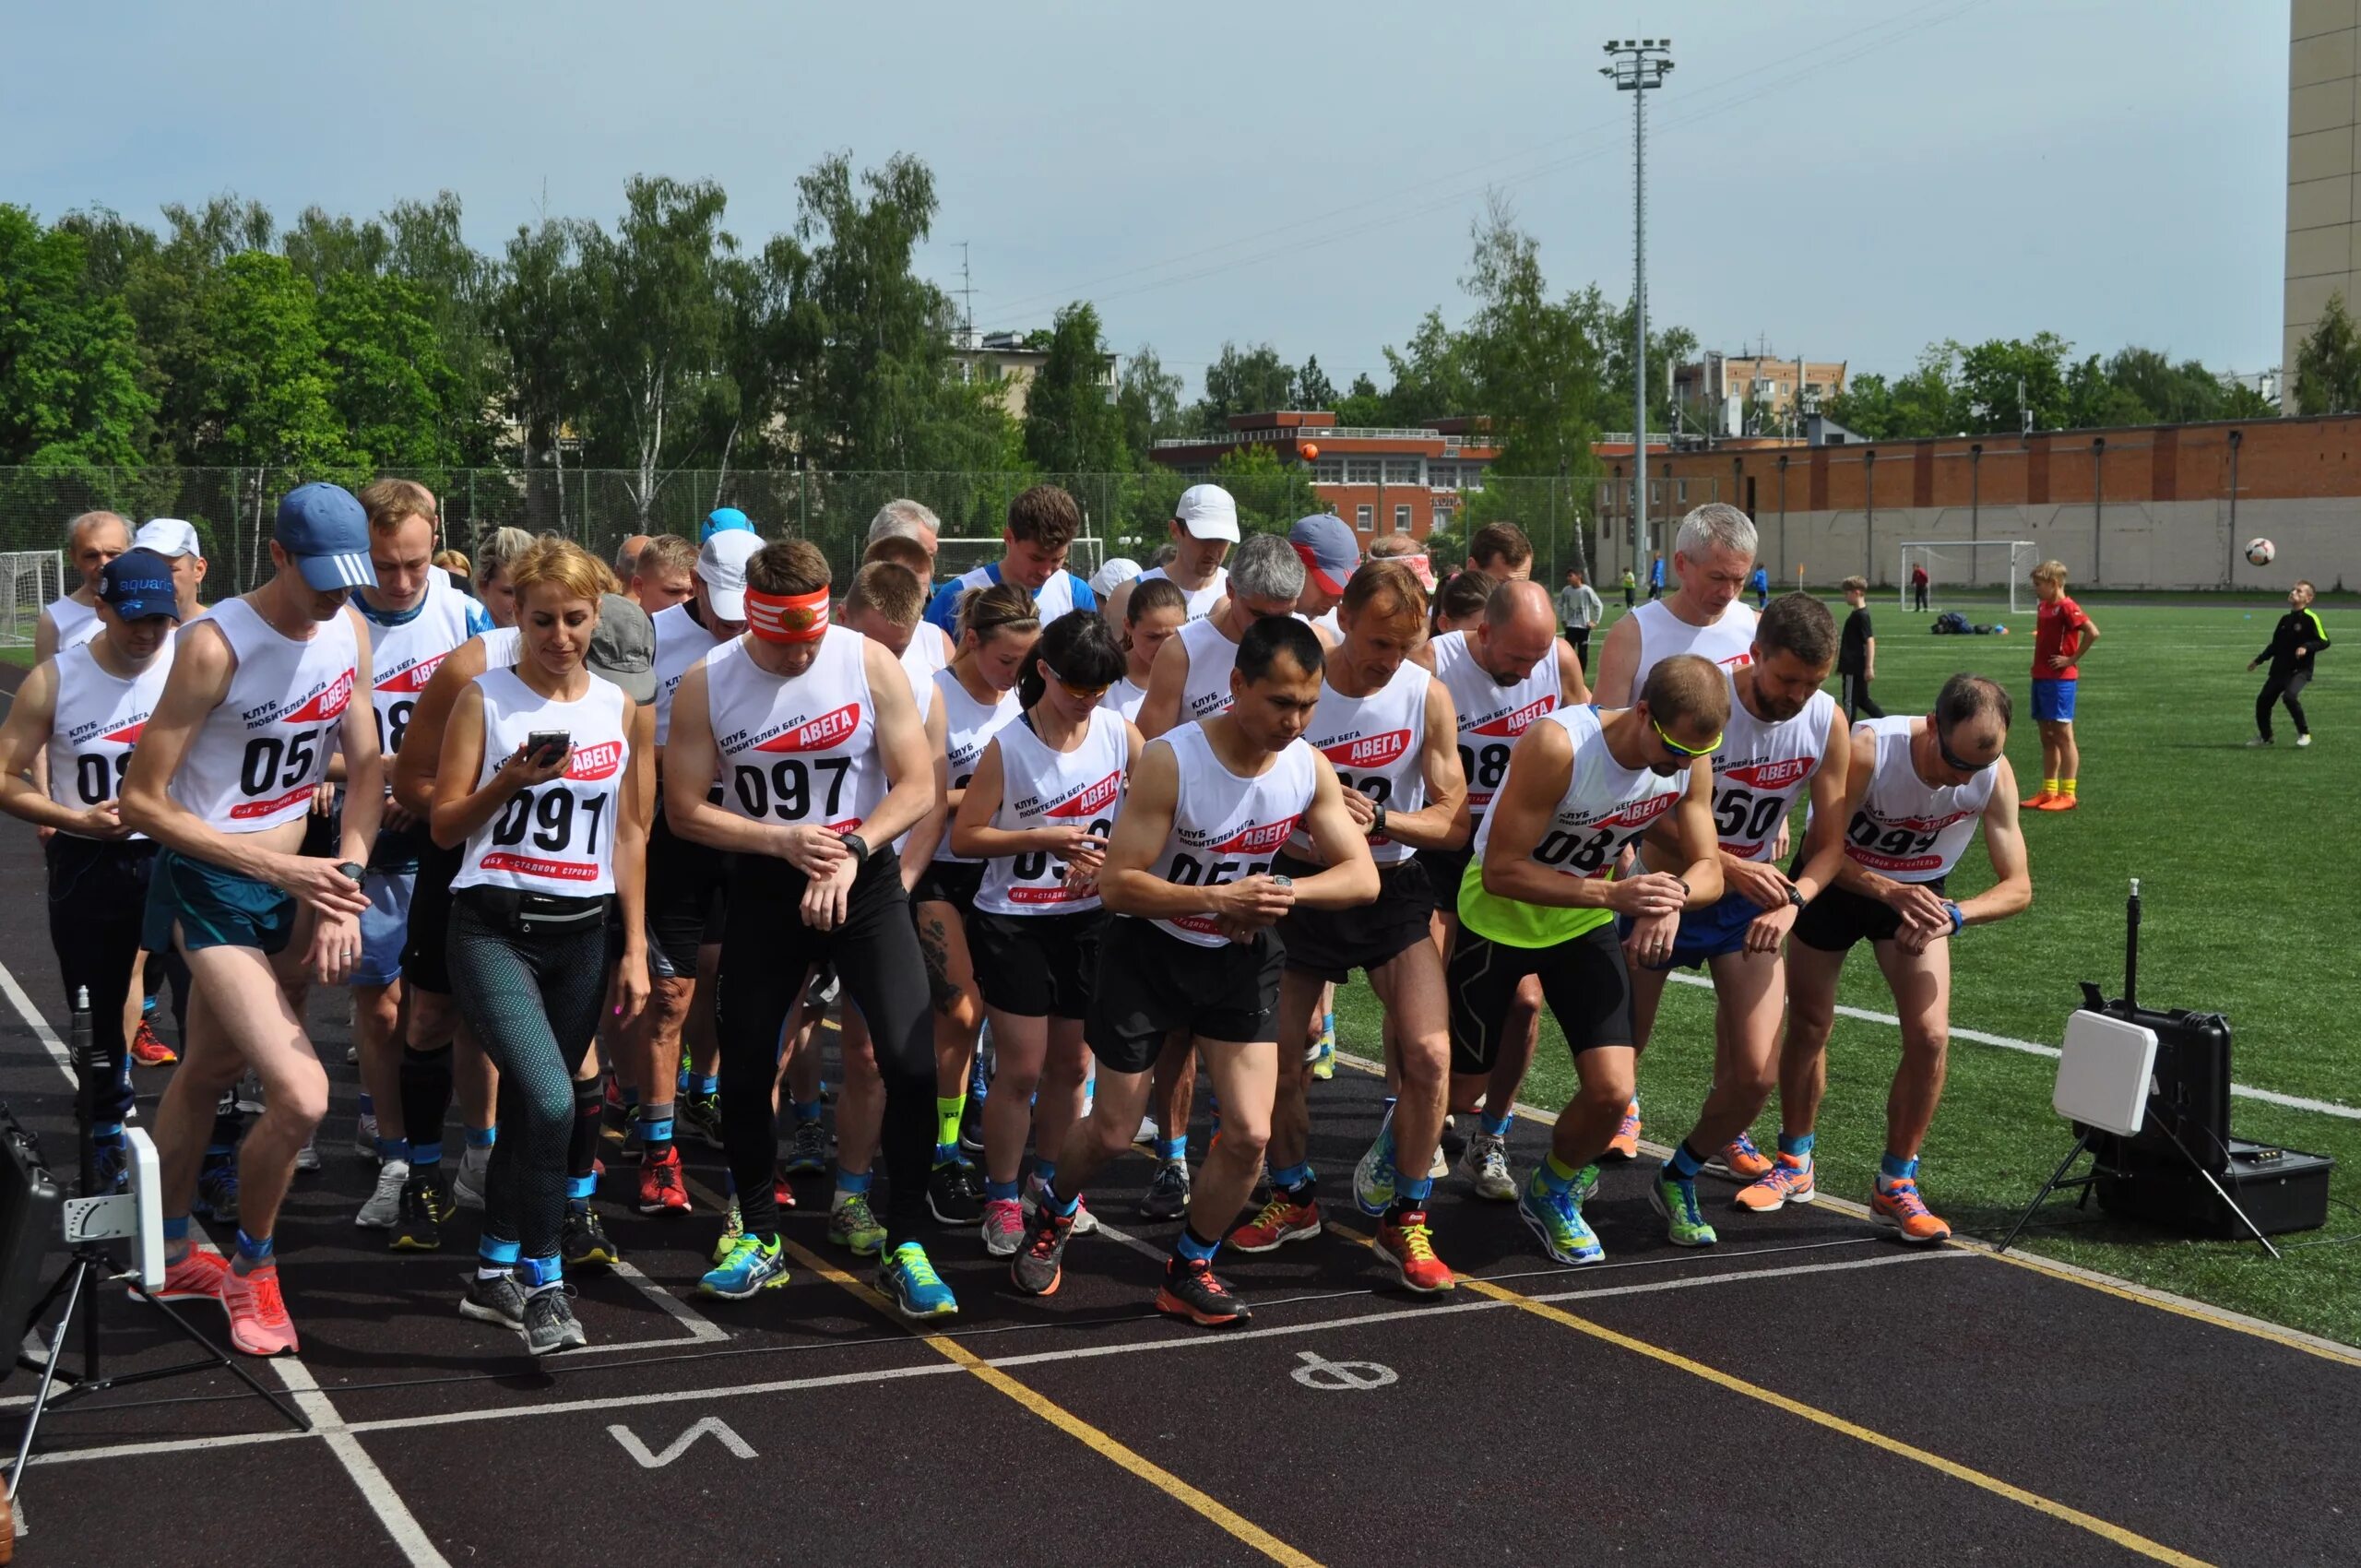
1898, 1204
466, 1187
549, 1323
2046, 796
384, 1210
917, 1291
2067, 803
733, 1225
196, 1277
852, 1225
632, 1139
1146, 1134
1676, 1201
1168, 1191
1323, 1056
216, 1192
1085, 1222
308, 1158
258, 1320
751, 1264
1787, 1182
365, 1136
1192, 1290
495, 1299
952, 1198
971, 1125
1373, 1177
582, 1239
1625, 1144
1485, 1163
1039, 1265
807, 1149
148, 1049
1557, 1218
1407, 1247
661, 1189
247, 1096
1277, 1223
418, 1220
111, 1171
782, 1190
2304, 740
1004, 1226
1740, 1160
700, 1116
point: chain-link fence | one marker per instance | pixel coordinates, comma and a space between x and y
1125, 514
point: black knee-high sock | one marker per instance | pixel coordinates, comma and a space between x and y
426, 1102
582, 1145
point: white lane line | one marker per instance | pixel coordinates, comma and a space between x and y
946, 1369
376, 1489
702, 1329
2033, 1047
39, 1027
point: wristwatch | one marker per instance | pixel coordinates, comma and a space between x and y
1959, 921
354, 870
1794, 896
1377, 822
857, 846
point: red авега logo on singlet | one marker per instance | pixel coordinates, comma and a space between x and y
413, 680
1517, 723
129, 734
1258, 838
329, 704
1639, 814
1381, 750
1089, 802
595, 762
816, 734
1771, 775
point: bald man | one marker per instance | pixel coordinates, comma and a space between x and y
627, 558
92, 540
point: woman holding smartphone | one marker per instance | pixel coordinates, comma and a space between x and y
1037, 813
547, 778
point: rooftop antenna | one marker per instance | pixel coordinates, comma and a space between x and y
967, 292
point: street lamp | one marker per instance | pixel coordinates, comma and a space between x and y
1638, 65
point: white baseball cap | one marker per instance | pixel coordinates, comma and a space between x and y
721, 567
1207, 512
168, 536
1113, 575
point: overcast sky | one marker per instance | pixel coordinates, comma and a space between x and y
1844, 180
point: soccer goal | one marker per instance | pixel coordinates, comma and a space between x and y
1955, 565
29, 579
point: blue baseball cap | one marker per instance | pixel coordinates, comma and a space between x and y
323, 527
138, 584
724, 519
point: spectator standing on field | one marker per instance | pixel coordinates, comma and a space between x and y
1630, 588
1918, 581
1857, 656
2061, 640
1761, 584
1656, 576
1580, 609
2294, 643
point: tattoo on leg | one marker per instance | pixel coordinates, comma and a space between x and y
934, 943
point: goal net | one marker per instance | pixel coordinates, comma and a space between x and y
1956, 568
29, 579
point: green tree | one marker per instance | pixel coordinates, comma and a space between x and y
1432, 378
2172, 394
1149, 401
267, 388
1271, 494
2003, 380
70, 370
2328, 364
388, 381
1312, 388
1535, 361
2095, 399
535, 316
1362, 404
1243, 381
1071, 425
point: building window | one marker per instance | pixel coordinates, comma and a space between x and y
1440, 520
1402, 519
1401, 471
1365, 517
1328, 470
1471, 476
1361, 470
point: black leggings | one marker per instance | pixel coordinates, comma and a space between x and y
766, 950
96, 894
2282, 688
533, 1003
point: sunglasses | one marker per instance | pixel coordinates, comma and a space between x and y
1954, 760
1677, 749
1072, 689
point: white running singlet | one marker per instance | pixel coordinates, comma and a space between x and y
557, 838
1041, 788
75, 622
1760, 767
1212, 656
403, 658
1728, 642
1908, 829
968, 727
922, 675
1200, 601
501, 648
681, 641
1051, 601
1124, 698
255, 761
797, 749
1606, 805
1377, 745
98, 717
1224, 827
1492, 715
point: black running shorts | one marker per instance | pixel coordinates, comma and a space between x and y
684, 907
1583, 979
1037, 966
1839, 918
1329, 944
955, 882
1446, 869
1151, 983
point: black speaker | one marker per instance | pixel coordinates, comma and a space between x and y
31, 1221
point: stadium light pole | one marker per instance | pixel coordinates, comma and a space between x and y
1638, 65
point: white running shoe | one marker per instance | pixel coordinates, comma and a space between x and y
308, 1157
384, 1205
467, 1184
1486, 1166
365, 1136
2303, 741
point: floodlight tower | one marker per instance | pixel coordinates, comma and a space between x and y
1638, 65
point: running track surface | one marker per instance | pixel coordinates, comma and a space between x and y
1807, 1392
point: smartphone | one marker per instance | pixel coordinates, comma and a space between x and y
544, 747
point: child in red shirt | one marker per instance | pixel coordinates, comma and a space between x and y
2062, 637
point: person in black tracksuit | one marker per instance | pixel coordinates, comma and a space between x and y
2296, 642
1857, 656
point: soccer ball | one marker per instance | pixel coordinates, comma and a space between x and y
2260, 551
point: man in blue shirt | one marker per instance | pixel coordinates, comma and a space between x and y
1042, 522
1761, 584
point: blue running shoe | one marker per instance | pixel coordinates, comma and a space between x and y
216, 1192
917, 1291
1373, 1177
1557, 1217
751, 1264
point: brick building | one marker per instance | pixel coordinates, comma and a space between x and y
1725, 395
1407, 481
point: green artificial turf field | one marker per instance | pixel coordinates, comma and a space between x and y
2247, 861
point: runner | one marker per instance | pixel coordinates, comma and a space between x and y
84, 709
1917, 791
92, 540
1387, 727
1203, 527
414, 618
1502, 675
1784, 732
1459, 604
1190, 951
821, 750
1501, 551
546, 778
495, 556
258, 699
178, 543
930, 649
665, 575
1042, 522
1541, 895
1329, 553
1153, 614
1045, 793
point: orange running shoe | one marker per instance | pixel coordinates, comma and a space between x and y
1280, 1222
1625, 1144
2040, 801
196, 1277
1898, 1204
149, 1049
258, 1320
1742, 1160
1408, 1248
1787, 1182
2058, 803
661, 1189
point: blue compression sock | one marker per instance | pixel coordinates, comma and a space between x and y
1172, 1149
425, 1157
1189, 1249
1892, 1167
1497, 1126
1000, 1192
1797, 1146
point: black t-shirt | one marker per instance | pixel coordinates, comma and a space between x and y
1853, 654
